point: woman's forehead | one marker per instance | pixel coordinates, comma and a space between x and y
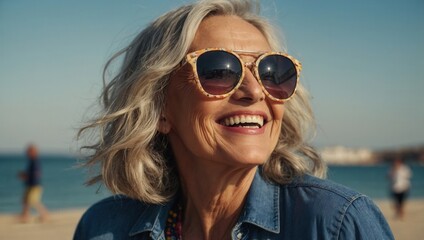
229, 32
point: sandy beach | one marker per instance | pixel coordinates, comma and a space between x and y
61, 224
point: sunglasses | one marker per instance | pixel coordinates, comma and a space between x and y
220, 72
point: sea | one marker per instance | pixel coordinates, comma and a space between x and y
64, 188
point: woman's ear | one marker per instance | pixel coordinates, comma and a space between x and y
164, 126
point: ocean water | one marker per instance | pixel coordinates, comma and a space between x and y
64, 188
373, 180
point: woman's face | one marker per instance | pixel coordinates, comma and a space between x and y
194, 122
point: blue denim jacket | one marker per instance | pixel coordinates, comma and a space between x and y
307, 208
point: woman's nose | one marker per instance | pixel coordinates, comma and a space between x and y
250, 90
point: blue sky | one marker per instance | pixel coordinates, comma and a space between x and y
363, 63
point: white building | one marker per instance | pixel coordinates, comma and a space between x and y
343, 155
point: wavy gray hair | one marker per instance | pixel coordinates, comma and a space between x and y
133, 156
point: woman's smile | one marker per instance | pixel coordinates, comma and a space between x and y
244, 121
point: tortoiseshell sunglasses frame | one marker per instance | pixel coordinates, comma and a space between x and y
192, 57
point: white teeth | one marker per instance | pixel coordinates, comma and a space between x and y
252, 119
243, 118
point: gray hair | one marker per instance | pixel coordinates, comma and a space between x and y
133, 156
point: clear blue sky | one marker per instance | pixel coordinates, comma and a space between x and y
363, 63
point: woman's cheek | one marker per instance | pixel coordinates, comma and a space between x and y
206, 133
278, 111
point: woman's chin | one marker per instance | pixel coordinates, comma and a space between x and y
249, 158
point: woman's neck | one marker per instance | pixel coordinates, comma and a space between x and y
214, 196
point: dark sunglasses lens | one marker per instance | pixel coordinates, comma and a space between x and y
278, 75
218, 71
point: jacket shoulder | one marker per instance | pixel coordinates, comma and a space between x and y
114, 206
111, 217
343, 212
326, 187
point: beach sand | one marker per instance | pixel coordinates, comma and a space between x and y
412, 226
61, 224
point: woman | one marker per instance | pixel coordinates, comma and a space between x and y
400, 177
203, 136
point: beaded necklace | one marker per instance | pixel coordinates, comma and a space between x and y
174, 224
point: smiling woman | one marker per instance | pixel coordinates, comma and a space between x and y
204, 136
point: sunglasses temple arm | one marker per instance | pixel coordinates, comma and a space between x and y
180, 65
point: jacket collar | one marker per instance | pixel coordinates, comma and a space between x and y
261, 209
262, 205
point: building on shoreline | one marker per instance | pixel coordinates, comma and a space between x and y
340, 155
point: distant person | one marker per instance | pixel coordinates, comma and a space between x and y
33, 189
400, 175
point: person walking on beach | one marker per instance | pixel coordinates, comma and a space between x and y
33, 190
400, 175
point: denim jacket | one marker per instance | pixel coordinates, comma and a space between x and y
307, 208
